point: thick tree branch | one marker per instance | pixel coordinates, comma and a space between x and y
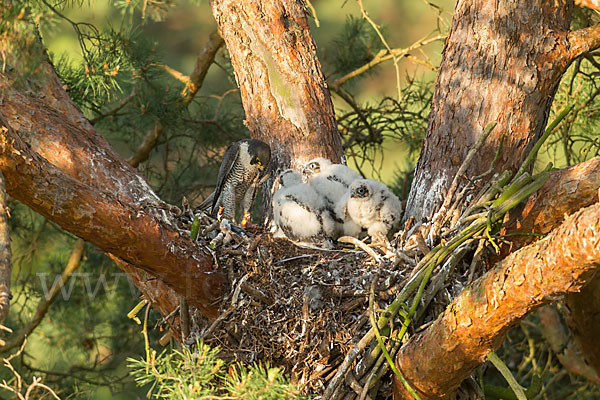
282, 86
583, 41
502, 62
562, 344
582, 315
136, 232
5, 253
565, 192
436, 361
60, 167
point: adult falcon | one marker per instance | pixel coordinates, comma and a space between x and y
241, 170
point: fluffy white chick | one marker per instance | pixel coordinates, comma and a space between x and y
299, 212
331, 182
372, 206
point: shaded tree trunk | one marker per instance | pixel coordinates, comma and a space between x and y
283, 89
502, 62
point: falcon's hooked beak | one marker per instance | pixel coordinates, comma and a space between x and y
260, 165
308, 171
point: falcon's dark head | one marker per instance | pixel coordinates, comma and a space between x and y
260, 153
360, 190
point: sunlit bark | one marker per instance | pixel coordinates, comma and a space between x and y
436, 361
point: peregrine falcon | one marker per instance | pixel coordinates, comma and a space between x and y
372, 206
331, 182
322, 168
299, 212
241, 170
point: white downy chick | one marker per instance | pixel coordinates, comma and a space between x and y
299, 212
331, 182
372, 206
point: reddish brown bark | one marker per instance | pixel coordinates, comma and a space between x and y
56, 163
593, 4
282, 87
436, 361
502, 62
565, 192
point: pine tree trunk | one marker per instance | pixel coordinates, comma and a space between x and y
502, 62
283, 90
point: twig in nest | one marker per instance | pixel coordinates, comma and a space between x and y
439, 279
496, 157
454, 185
382, 346
257, 294
165, 319
253, 245
361, 245
231, 308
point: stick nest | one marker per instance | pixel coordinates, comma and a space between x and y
304, 309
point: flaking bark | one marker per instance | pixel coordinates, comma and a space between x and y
56, 163
436, 361
283, 90
566, 191
502, 62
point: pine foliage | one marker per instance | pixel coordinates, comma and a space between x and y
200, 374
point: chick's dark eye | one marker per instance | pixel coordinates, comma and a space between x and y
361, 190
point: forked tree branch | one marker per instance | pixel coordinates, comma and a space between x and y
436, 361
